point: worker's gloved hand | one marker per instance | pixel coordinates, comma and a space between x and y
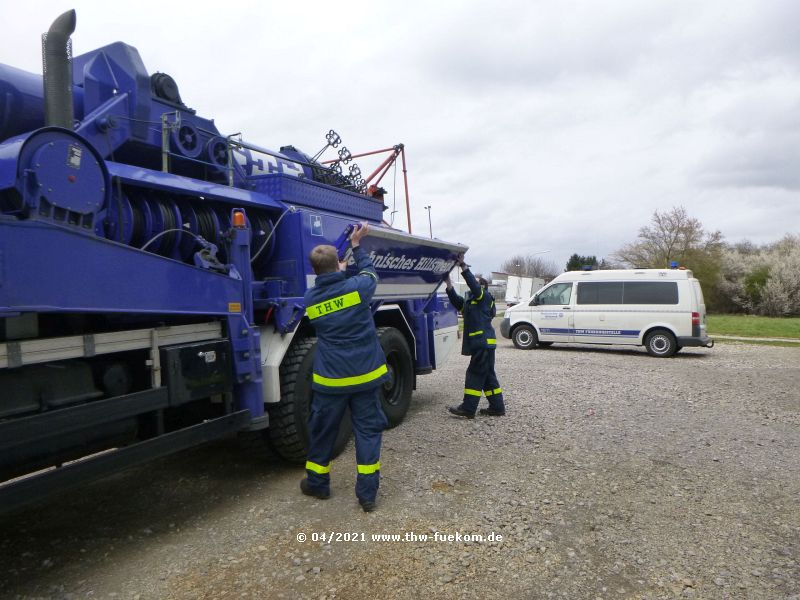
359, 232
460, 260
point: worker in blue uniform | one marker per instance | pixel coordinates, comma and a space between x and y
478, 342
349, 369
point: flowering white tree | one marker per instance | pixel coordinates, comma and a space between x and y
764, 280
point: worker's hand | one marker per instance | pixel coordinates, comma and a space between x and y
460, 260
359, 232
447, 281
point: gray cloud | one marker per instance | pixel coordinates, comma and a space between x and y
554, 125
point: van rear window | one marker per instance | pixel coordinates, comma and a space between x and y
628, 292
650, 292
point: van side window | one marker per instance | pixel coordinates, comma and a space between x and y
560, 293
650, 292
600, 292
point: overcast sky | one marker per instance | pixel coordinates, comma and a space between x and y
529, 125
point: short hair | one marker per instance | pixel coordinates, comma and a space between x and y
324, 259
483, 282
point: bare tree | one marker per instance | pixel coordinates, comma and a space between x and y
671, 236
530, 266
675, 236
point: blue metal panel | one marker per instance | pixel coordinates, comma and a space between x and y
50, 268
292, 190
194, 187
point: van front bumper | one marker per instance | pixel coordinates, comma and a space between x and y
704, 341
505, 327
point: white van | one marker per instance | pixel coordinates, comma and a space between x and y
660, 309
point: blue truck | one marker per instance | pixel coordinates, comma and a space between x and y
152, 273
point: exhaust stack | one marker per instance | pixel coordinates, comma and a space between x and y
57, 70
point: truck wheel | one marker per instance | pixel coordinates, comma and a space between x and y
524, 337
396, 391
288, 419
660, 343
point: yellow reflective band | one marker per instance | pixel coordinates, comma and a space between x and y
491, 341
311, 466
355, 380
487, 393
369, 469
498, 391
469, 392
481, 296
333, 305
476, 333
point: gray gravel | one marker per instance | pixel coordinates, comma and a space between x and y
614, 475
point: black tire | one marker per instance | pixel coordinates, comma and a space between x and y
396, 391
288, 419
524, 337
545, 344
660, 343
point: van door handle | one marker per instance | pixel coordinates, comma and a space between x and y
565, 308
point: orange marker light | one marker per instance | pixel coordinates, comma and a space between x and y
238, 219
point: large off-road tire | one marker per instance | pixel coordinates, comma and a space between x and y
524, 337
288, 419
660, 343
396, 391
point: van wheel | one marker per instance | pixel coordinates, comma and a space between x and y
660, 343
396, 390
525, 337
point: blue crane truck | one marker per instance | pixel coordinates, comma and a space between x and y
152, 273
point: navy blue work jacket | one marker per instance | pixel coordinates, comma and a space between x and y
349, 357
478, 309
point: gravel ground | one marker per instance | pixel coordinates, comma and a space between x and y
614, 475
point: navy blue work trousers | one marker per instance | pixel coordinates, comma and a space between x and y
369, 421
482, 380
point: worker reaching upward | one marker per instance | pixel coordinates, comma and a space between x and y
349, 369
479, 343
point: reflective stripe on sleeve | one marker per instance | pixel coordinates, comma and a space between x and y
469, 392
476, 333
370, 273
491, 341
354, 380
312, 466
333, 305
369, 469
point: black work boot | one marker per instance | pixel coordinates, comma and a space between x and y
493, 412
460, 412
368, 506
306, 488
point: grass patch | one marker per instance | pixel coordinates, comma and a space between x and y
749, 326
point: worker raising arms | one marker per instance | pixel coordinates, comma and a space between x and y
480, 343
